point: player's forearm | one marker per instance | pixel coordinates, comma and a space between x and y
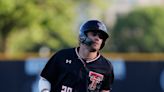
44, 85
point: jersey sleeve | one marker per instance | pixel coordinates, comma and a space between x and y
50, 70
108, 80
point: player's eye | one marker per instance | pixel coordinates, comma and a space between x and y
99, 34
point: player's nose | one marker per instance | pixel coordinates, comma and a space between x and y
96, 38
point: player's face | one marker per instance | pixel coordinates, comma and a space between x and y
97, 39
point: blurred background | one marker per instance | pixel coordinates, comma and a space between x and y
32, 30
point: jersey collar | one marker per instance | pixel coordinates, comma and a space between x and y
88, 61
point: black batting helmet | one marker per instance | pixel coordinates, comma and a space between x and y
94, 26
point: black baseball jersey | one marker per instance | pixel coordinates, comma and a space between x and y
67, 72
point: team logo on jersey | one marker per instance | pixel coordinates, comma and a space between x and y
68, 61
95, 79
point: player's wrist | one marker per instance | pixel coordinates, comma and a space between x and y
44, 85
45, 90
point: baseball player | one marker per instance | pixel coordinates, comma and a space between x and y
80, 69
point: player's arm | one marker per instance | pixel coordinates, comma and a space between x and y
48, 74
44, 85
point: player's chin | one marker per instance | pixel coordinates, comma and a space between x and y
94, 48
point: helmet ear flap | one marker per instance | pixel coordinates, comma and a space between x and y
82, 38
85, 40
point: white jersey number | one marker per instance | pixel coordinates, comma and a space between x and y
66, 89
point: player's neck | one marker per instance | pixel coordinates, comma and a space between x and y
86, 54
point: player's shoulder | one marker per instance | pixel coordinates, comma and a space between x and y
61, 54
64, 51
107, 65
106, 61
67, 50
